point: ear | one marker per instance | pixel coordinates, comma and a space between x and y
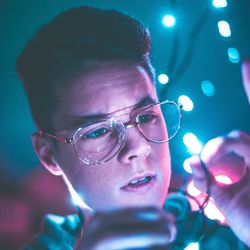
44, 150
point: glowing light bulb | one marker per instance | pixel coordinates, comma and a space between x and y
186, 166
163, 79
220, 3
192, 190
213, 213
187, 103
233, 55
169, 21
192, 143
224, 28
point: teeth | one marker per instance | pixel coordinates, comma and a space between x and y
144, 179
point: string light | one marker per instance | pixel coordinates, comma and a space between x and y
192, 143
169, 21
187, 103
163, 78
224, 28
233, 55
220, 3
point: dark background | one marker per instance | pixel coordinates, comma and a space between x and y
227, 110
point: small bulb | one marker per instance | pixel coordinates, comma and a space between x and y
169, 21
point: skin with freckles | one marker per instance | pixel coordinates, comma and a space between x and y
107, 89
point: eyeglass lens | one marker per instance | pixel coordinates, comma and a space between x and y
99, 142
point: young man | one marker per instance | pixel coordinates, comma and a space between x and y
90, 85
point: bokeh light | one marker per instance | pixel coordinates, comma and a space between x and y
187, 103
192, 143
220, 3
233, 55
169, 21
163, 78
213, 213
192, 190
224, 28
207, 88
186, 165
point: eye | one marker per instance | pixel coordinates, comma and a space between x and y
95, 134
144, 118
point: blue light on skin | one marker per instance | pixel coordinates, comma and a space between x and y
163, 78
224, 28
220, 3
169, 21
187, 103
207, 88
192, 246
233, 55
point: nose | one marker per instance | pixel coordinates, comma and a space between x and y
135, 146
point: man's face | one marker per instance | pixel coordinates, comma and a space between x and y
109, 88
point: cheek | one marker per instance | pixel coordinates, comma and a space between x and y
161, 155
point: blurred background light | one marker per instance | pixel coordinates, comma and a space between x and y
192, 143
186, 166
187, 103
220, 3
224, 28
169, 21
233, 55
207, 88
163, 79
192, 246
192, 190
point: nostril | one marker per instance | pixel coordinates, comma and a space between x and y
132, 157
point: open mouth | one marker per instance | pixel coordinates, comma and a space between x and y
140, 184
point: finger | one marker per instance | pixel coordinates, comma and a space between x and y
53, 229
45, 242
246, 77
71, 224
202, 178
235, 142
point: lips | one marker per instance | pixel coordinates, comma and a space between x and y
140, 183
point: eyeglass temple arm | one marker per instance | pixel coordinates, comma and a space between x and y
65, 140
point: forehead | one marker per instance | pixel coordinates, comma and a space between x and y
103, 90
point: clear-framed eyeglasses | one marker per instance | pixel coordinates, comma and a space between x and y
98, 142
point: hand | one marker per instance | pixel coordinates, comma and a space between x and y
132, 228
58, 233
234, 150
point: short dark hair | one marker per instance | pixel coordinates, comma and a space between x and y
69, 43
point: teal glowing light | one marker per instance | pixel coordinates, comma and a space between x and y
207, 88
168, 21
233, 55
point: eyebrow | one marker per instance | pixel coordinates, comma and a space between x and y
78, 121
